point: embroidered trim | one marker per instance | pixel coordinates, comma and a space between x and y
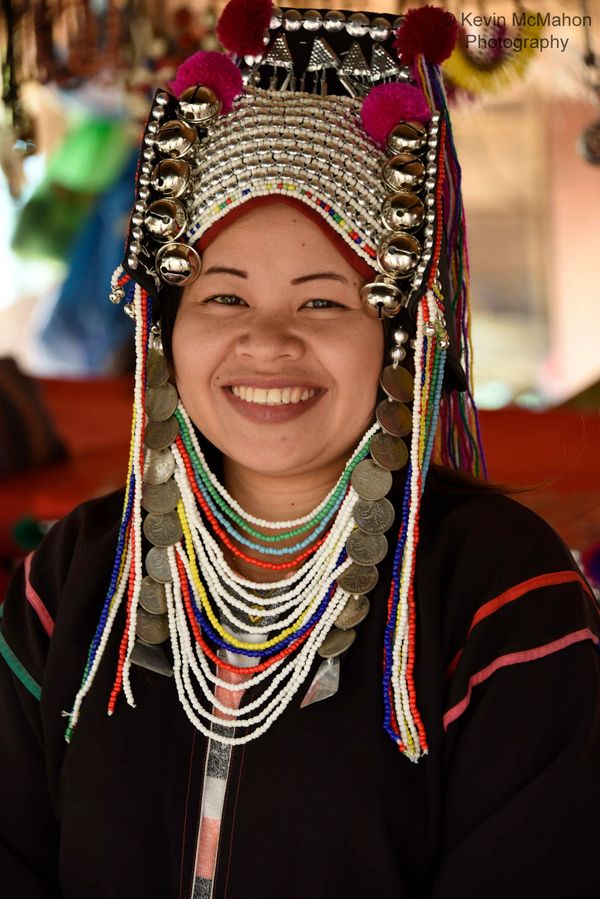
534, 583
515, 658
18, 669
35, 601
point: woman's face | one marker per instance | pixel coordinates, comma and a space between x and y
276, 357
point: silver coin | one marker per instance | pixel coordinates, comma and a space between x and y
370, 480
157, 565
160, 498
366, 549
356, 610
395, 418
358, 579
152, 596
391, 452
156, 369
163, 530
161, 434
159, 465
335, 643
374, 517
398, 383
151, 628
161, 402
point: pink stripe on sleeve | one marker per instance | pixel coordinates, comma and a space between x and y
34, 600
515, 658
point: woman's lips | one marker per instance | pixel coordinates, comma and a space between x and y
272, 404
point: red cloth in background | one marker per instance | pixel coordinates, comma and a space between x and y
556, 452
94, 419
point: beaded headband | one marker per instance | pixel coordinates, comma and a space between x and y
345, 113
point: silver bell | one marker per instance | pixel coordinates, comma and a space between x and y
199, 104
170, 177
116, 295
399, 254
165, 219
178, 264
403, 211
403, 172
175, 138
384, 296
407, 137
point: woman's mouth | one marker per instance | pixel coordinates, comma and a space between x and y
272, 396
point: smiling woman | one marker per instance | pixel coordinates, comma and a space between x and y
289, 604
278, 360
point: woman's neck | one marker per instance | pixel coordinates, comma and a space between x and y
279, 497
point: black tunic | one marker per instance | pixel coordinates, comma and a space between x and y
322, 806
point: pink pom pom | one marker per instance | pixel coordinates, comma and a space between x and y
388, 104
213, 70
430, 31
242, 26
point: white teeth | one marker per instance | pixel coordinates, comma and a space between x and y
274, 396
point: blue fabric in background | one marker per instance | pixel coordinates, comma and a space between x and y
84, 331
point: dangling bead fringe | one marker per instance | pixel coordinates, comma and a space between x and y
458, 442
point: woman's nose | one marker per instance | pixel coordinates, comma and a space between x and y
270, 336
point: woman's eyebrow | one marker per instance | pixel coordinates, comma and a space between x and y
225, 270
319, 276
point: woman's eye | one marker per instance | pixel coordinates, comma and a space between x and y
322, 304
225, 299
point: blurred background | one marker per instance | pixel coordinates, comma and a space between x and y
77, 79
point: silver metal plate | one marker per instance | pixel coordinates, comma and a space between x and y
336, 642
366, 549
163, 530
358, 579
374, 517
370, 480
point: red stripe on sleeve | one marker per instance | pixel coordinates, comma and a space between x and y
534, 583
34, 600
515, 658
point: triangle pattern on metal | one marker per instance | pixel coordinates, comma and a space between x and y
355, 65
278, 54
382, 64
322, 57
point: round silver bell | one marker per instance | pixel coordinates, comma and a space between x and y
384, 296
166, 219
399, 254
403, 211
199, 104
178, 264
175, 138
380, 29
170, 177
312, 20
403, 172
407, 137
334, 21
292, 20
357, 24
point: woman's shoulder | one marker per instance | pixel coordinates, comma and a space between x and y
71, 565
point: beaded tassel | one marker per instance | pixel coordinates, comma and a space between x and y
458, 442
126, 572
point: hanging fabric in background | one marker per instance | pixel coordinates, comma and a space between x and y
87, 163
83, 333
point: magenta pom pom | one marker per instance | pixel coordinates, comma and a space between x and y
213, 70
430, 31
388, 104
242, 26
